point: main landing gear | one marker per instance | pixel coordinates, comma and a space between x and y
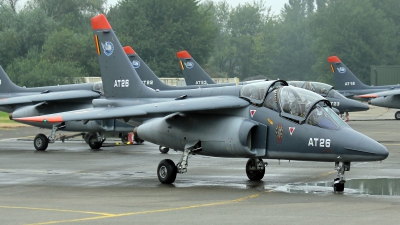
397, 115
167, 170
41, 142
95, 140
163, 149
255, 169
338, 183
345, 116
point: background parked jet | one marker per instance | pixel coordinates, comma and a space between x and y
226, 121
36, 101
195, 74
349, 85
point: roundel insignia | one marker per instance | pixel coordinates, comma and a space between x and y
189, 65
341, 69
108, 48
136, 64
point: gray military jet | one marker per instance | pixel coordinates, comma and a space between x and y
194, 74
263, 120
37, 101
350, 86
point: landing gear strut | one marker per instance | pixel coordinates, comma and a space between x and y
338, 183
345, 116
255, 169
167, 170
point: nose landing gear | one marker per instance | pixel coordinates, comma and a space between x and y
338, 183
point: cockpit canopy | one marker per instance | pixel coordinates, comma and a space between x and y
323, 89
296, 104
256, 92
98, 87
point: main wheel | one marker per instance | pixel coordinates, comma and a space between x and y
337, 186
163, 149
86, 137
397, 115
93, 142
251, 171
166, 171
124, 138
41, 142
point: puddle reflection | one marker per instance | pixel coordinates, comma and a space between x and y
379, 186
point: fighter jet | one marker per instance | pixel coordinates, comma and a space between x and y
263, 120
349, 85
194, 74
36, 101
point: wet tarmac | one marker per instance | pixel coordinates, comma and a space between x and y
72, 184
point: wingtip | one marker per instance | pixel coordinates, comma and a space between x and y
129, 50
334, 59
40, 119
183, 55
100, 22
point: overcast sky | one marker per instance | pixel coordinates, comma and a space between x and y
276, 5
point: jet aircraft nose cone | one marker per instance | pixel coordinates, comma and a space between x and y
377, 150
361, 106
361, 148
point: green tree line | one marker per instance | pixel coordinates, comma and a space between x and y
49, 42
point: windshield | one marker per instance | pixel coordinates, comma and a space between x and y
98, 87
297, 101
334, 94
256, 91
324, 117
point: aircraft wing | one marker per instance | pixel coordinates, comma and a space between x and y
51, 96
380, 94
167, 107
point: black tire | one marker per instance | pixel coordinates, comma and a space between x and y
338, 187
86, 137
166, 171
252, 174
163, 149
93, 143
41, 142
124, 138
397, 115
137, 140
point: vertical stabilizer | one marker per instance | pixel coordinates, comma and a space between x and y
344, 78
6, 85
192, 71
148, 77
120, 79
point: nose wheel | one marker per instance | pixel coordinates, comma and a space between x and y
338, 183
